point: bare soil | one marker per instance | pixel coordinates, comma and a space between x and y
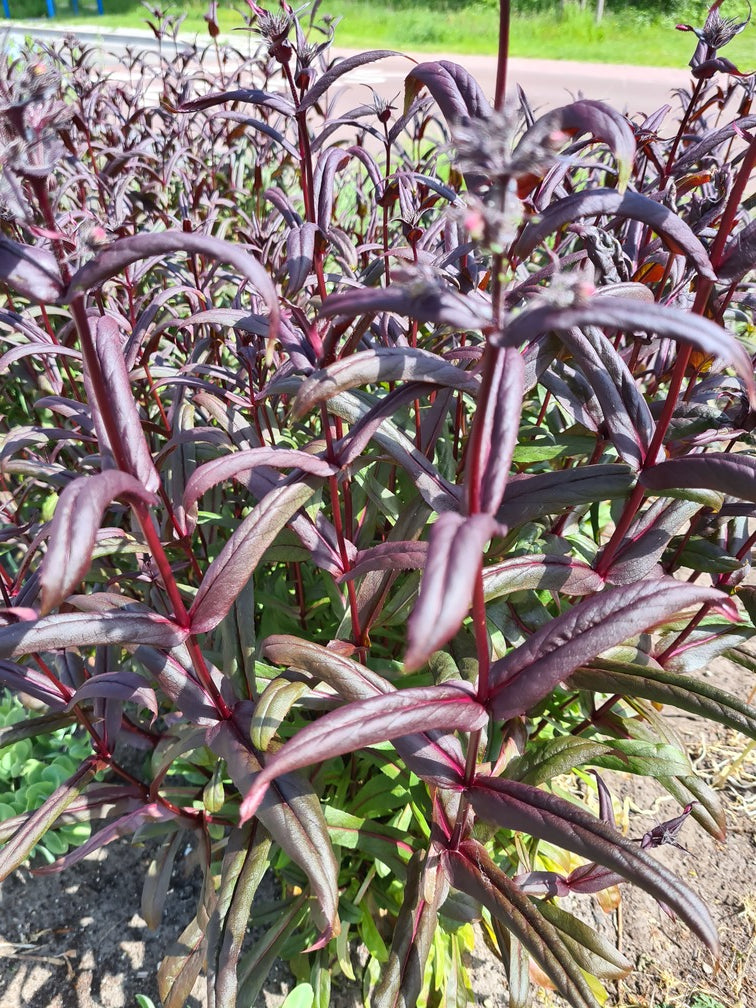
77, 940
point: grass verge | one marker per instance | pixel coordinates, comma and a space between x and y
627, 36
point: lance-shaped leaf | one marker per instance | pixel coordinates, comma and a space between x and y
529, 673
300, 249
734, 475
20, 845
622, 313
30, 271
132, 445
385, 364
627, 418
402, 978
35, 683
454, 90
647, 539
256, 964
239, 464
119, 685
337, 70
739, 256
158, 878
585, 116
423, 301
389, 556
231, 569
684, 692
592, 951
73, 530
178, 972
540, 570
433, 756
531, 496
34, 726
472, 871
516, 806
244, 865
455, 550
125, 825
609, 202
291, 813
366, 722
247, 96
499, 426
113, 259
85, 629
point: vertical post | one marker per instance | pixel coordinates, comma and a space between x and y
6, 9
599, 11
99, 7
51, 8
75, 6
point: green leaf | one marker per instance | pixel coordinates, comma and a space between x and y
303, 996
594, 953
680, 691
256, 964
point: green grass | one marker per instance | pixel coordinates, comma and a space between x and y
627, 36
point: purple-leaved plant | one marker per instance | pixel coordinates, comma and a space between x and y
363, 471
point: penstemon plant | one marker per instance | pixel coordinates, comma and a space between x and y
365, 476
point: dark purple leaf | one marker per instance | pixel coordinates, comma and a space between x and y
620, 313
639, 553
388, 556
291, 813
239, 465
609, 202
114, 258
527, 497
74, 528
366, 722
425, 302
719, 64
126, 825
627, 418
37, 823
734, 475
454, 90
30, 271
433, 756
529, 673
261, 127
455, 553
515, 806
132, 445
402, 977
247, 96
300, 249
739, 256
33, 682
158, 879
232, 568
472, 871
499, 426
711, 140
35, 350
83, 629
120, 685
338, 69
390, 364
178, 684
585, 116
538, 570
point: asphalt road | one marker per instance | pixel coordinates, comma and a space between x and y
547, 83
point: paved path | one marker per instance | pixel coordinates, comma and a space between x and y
547, 83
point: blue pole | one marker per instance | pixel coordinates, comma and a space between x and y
51, 8
6, 8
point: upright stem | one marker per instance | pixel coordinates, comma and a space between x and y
503, 56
